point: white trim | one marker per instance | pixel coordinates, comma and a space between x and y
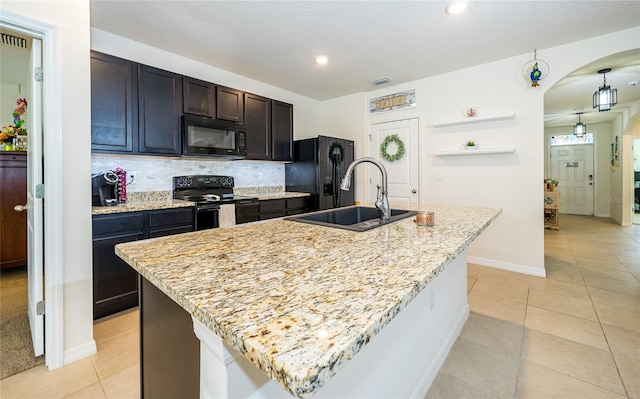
79, 352
52, 158
532, 271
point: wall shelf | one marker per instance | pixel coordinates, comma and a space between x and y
503, 150
476, 119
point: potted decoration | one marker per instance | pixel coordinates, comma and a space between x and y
12, 134
470, 145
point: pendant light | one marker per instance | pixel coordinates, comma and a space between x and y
580, 129
605, 97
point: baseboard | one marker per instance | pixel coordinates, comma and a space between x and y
430, 375
507, 266
80, 352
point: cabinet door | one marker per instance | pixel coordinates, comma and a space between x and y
199, 97
171, 221
13, 224
282, 131
229, 105
114, 125
258, 122
159, 110
115, 283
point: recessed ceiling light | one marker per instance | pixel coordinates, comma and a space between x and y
321, 59
455, 8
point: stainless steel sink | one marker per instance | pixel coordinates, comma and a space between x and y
355, 218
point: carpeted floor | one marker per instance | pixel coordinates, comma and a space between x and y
16, 348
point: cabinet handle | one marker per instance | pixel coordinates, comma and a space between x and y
20, 208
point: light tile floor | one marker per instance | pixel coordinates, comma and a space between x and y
575, 334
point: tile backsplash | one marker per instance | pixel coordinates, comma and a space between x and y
155, 173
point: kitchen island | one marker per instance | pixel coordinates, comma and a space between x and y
321, 311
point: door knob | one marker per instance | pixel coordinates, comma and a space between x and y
20, 208
414, 191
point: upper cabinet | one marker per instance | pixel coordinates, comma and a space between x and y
114, 104
257, 119
135, 109
159, 110
199, 97
282, 131
229, 104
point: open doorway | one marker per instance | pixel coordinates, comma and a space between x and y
16, 340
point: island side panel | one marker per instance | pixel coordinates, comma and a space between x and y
400, 361
169, 349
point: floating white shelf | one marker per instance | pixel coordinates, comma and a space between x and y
475, 152
475, 119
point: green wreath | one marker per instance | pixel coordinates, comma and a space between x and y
394, 138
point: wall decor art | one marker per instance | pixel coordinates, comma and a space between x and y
392, 102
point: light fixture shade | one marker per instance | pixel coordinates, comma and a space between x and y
580, 129
605, 97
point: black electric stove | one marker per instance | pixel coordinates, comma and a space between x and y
209, 192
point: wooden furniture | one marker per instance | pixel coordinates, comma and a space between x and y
115, 284
277, 208
135, 108
551, 209
281, 131
13, 224
257, 118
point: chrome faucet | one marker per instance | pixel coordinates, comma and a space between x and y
382, 201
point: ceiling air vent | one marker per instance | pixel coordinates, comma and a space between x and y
15, 41
380, 81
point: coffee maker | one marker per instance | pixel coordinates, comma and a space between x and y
104, 188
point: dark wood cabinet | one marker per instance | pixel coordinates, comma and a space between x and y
277, 208
199, 97
257, 118
114, 104
135, 109
282, 131
169, 349
159, 110
115, 283
229, 104
13, 224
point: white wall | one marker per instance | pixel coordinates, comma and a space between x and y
601, 157
72, 81
512, 182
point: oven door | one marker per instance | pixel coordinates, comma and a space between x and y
207, 217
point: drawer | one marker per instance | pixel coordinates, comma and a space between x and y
297, 203
273, 206
107, 224
171, 217
272, 215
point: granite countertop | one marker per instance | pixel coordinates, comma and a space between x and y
144, 201
300, 300
140, 206
280, 195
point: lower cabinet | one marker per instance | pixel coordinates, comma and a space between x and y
169, 349
277, 208
115, 283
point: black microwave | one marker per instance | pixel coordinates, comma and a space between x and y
213, 137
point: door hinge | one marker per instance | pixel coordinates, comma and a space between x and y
38, 74
40, 308
39, 190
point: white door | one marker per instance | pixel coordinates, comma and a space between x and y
34, 204
402, 173
572, 167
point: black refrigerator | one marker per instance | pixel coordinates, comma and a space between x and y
318, 167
